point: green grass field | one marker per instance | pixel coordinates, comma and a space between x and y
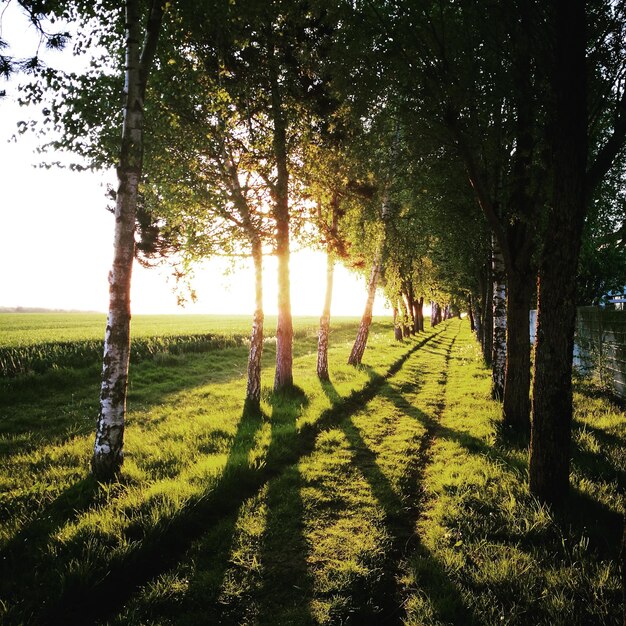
25, 329
387, 496
35, 343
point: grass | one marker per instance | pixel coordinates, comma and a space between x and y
187, 443
506, 558
35, 343
387, 496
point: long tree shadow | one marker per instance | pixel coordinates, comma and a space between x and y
224, 587
160, 549
23, 551
402, 513
284, 549
579, 515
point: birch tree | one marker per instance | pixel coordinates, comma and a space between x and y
108, 448
498, 359
386, 218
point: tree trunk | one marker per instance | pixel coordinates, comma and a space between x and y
322, 343
420, 313
416, 316
406, 329
253, 389
552, 386
360, 342
284, 331
498, 359
410, 300
487, 322
108, 452
397, 327
516, 401
470, 314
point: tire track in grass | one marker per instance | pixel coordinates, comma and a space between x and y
163, 550
422, 402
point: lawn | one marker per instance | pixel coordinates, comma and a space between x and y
388, 496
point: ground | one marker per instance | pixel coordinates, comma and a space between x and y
388, 496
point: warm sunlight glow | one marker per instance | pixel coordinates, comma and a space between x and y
60, 251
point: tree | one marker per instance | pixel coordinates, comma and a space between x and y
573, 186
385, 179
108, 448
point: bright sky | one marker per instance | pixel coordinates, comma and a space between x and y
56, 237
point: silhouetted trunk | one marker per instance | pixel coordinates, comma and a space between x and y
108, 452
470, 314
498, 359
516, 401
420, 313
284, 329
416, 316
253, 389
397, 327
478, 322
488, 319
322, 343
556, 310
360, 342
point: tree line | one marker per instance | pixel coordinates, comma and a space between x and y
472, 162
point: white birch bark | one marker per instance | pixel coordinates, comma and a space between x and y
360, 343
499, 321
108, 448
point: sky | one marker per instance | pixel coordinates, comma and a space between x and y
56, 235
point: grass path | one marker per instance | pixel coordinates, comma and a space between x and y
326, 540
388, 496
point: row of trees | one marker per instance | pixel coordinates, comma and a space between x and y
448, 157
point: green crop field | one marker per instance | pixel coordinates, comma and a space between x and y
389, 495
39, 342
24, 329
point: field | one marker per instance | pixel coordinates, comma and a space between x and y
25, 329
389, 495
39, 342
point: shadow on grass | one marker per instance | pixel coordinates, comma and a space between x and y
287, 587
161, 547
268, 582
402, 511
23, 551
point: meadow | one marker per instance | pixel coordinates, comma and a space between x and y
34, 343
389, 495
